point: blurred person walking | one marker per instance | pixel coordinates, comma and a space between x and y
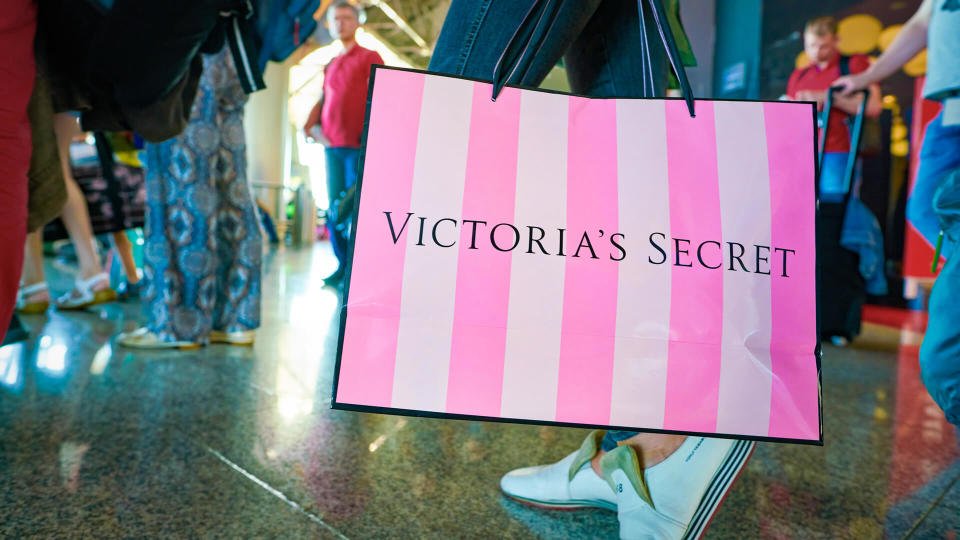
336, 121
202, 245
18, 23
92, 286
934, 205
661, 485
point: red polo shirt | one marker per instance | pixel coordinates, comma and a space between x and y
819, 80
345, 96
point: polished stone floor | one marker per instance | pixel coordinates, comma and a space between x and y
101, 442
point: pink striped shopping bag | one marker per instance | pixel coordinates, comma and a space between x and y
565, 260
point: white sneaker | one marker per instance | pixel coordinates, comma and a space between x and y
678, 497
568, 483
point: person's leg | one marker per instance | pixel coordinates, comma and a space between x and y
167, 227
351, 166
651, 448
34, 296
124, 247
939, 353
607, 58
75, 217
240, 244
475, 34
938, 157
350, 159
940, 350
336, 183
18, 21
180, 253
33, 260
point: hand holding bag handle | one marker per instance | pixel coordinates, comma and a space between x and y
529, 36
855, 137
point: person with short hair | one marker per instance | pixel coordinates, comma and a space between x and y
935, 202
336, 121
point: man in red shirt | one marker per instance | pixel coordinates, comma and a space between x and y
336, 121
811, 84
843, 285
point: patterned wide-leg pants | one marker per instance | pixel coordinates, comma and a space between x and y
203, 242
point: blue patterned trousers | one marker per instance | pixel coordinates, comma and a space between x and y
203, 242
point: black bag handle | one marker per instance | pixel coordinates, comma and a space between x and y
855, 136
108, 170
529, 36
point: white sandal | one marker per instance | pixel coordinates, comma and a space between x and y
32, 308
83, 296
239, 337
143, 338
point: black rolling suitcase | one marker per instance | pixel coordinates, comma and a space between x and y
842, 289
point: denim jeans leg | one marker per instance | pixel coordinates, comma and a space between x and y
605, 58
336, 183
475, 34
612, 437
938, 157
599, 40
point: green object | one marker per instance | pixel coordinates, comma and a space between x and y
625, 459
587, 450
936, 253
687, 57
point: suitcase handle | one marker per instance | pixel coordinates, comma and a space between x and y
855, 135
529, 36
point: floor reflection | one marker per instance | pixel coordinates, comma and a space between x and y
240, 442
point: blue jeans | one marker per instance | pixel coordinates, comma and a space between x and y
939, 156
599, 41
342, 167
939, 179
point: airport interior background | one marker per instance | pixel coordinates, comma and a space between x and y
102, 441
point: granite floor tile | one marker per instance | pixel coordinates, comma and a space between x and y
133, 482
230, 441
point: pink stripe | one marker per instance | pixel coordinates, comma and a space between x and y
370, 337
696, 304
794, 408
483, 275
590, 286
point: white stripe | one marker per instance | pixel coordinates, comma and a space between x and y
745, 375
531, 365
247, 70
429, 272
643, 298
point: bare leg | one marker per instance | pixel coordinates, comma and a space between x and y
651, 448
125, 249
75, 216
33, 266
